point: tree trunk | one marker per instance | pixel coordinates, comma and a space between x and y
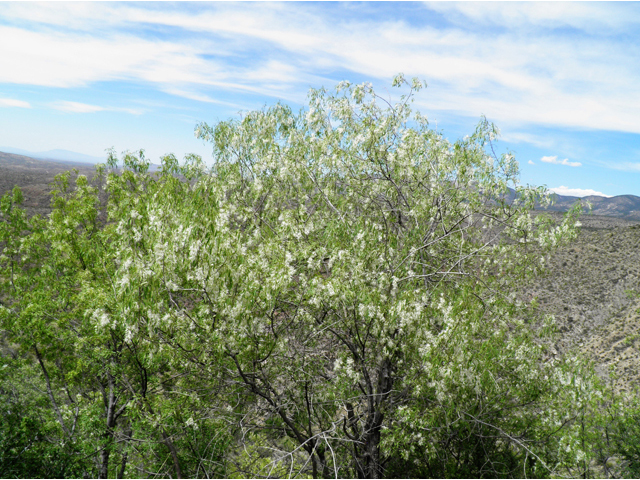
372, 467
50, 391
110, 405
174, 454
125, 454
370, 463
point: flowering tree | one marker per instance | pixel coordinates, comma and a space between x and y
344, 278
337, 296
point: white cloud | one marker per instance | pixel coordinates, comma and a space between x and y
555, 161
530, 162
70, 60
577, 192
10, 102
199, 97
77, 107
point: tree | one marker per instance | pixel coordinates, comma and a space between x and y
56, 274
337, 296
38, 322
342, 285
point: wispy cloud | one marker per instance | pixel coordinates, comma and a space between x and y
70, 60
539, 141
625, 166
77, 107
555, 77
580, 15
11, 102
200, 97
555, 161
577, 192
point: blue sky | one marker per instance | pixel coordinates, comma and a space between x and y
560, 80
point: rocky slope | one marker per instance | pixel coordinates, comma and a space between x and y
592, 290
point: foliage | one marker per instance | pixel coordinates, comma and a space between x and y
620, 450
29, 446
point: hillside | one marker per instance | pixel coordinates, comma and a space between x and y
591, 289
34, 177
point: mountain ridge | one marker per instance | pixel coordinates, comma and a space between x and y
55, 155
620, 206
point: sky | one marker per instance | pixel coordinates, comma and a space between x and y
560, 80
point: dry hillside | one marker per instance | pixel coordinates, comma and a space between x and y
592, 290
34, 178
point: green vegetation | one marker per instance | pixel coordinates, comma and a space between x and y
336, 297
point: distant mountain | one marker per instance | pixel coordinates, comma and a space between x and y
621, 206
58, 154
64, 156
